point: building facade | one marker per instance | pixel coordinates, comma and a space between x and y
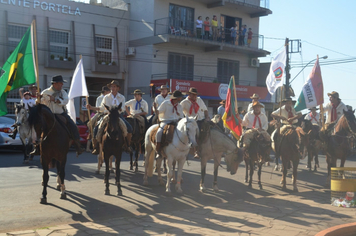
66, 30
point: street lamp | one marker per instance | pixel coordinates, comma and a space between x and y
324, 57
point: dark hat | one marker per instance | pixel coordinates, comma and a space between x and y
312, 108
223, 102
257, 104
287, 100
163, 87
114, 82
193, 90
334, 94
105, 88
58, 79
176, 94
137, 91
27, 93
32, 86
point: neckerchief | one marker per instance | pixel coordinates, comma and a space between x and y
290, 113
115, 102
313, 117
333, 113
175, 107
164, 96
194, 106
138, 104
259, 121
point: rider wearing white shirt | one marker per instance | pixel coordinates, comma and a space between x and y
313, 116
334, 108
255, 98
164, 96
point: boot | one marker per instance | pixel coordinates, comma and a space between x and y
36, 150
78, 147
96, 147
158, 150
127, 145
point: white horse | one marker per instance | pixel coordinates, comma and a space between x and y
24, 130
177, 150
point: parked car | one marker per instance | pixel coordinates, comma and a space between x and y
5, 130
83, 131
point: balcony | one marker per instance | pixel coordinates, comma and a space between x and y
256, 8
169, 30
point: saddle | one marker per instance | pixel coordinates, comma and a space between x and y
61, 118
167, 136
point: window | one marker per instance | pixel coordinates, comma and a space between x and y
104, 49
59, 43
227, 68
15, 33
180, 66
181, 17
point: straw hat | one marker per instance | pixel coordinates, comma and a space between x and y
163, 87
287, 100
193, 90
176, 94
138, 91
334, 94
313, 108
255, 95
114, 82
257, 104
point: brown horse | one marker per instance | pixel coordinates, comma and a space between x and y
293, 141
313, 144
338, 145
257, 153
54, 144
136, 142
112, 142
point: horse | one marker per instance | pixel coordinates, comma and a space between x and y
112, 142
54, 143
291, 146
338, 144
257, 152
24, 130
184, 136
136, 142
213, 147
313, 144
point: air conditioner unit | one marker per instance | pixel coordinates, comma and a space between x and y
130, 51
254, 62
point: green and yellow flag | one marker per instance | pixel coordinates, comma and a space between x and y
18, 70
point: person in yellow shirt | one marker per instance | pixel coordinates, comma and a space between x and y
214, 26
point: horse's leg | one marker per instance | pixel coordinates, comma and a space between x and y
62, 176
137, 153
216, 168
276, 157
169, 174
203, 171
117, 169
100, 158
59, 182
131, 160
45, 178
246, 167
316, 160
252, 169
295, 173
107, 173
259, 174
164, 166
310, 157
328, 178
111, 160
179, 175
173, 180
284, 174
159, 172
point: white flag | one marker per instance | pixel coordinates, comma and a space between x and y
78, 88
276, 72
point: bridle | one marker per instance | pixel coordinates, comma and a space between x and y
353, 134
50, 130
186, 133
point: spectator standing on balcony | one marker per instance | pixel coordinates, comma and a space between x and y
233, 35
214, 26
249, 37
244, 30
199, 26
206, 28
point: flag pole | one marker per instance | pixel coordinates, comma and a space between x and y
233, 81
36, 55
87, 100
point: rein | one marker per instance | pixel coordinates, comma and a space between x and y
353, 134
54, 123
185, 144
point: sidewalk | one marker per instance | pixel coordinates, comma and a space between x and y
304, 213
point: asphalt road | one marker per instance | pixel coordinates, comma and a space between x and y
20, 190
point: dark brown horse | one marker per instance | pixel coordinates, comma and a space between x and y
112, 142
257, 153
54, 144
313, 143
293, 141
338, 145
136, 142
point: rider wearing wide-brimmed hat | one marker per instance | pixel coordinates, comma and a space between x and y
334, 108
287, 113
56, 98
313, 116
255, 98
170, 111
138, 108
112, 99
164, 96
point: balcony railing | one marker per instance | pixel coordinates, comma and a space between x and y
259, 3
187, 29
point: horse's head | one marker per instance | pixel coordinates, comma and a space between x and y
192, 131
351, 121
114, 116
306, 125
233, 160
21, 114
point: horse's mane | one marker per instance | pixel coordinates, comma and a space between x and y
224, 136
34, 113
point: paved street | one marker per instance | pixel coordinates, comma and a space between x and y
235, 209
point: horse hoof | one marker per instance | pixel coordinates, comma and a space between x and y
145, 183
168, 193
119, 193
315, 170
97, 172
261, 187
107, 192
309, 170
216, 189
63, 196
131, 168
43, 201
250, 186
112, 171
58, 187
275, 168
179, 190
246, 181
136, 170
173, 181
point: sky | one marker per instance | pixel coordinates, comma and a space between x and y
324, 28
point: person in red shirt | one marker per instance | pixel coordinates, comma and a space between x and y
207, 28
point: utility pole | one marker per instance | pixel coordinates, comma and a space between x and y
287, 69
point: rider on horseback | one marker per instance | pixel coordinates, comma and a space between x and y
170, 111
56, 99
313, 116
195, 106
255, 98
164, 96
138, 109
112, 99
